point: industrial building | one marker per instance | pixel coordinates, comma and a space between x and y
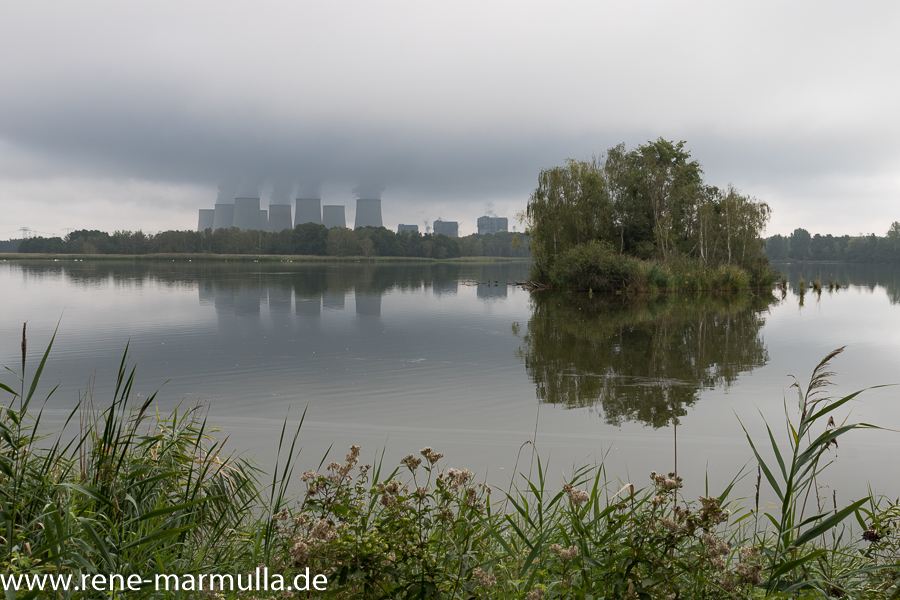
309, 210
412, 228
492, 225
448, 228
207, 219
333, 216
224, 216
368, 213
246, 214
280, 217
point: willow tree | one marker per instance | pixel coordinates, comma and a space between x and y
570, 206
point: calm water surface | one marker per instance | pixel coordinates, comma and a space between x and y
452, 356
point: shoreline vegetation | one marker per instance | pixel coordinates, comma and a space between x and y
135, 492
299, 258
306, 239
644, 221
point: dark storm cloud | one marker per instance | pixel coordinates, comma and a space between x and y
439, 106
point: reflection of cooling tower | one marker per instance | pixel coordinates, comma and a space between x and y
309, 210
368, 304
207, 218
368, 213
246, 213
333, 216
264, 220
308, 307
224, 216
279, 217
333, 300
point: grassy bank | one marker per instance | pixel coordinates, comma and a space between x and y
596, 266
254, 258
131, 491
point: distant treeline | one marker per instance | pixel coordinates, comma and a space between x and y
305, 239
800, 245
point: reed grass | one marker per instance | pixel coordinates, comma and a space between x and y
134, 492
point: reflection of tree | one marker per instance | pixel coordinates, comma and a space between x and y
640, 362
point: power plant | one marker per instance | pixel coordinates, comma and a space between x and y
207, 219
247, 215
309, 210
448, 228
368, 213
279, 217
224, 216
333, 216
488, 224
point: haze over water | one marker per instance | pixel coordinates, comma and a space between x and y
410, 355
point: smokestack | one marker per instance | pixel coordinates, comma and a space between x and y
333, 216
224, 216
207, 219
264, 219
279, 217
309, 210
246, 213
368, 213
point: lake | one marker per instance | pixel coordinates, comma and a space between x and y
396, 357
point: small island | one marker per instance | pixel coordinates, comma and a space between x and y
644, 221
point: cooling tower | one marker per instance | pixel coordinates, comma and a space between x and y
309, 210
279, 217
333, 216
207, 219
224, 216
246, 213
264, 219
368, 213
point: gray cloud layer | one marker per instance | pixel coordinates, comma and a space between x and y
461, 104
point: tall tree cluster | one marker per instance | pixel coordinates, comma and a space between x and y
649, 202
801, 245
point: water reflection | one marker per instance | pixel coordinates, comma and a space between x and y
864, 276
644, 361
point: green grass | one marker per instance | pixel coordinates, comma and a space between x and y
136, 492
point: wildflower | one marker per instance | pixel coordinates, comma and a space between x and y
576, 496
669, 524
299, 554
388, 500
564, 553
535, 594
392, 487
870, 535
309, 475
412, 463
421, 492
281, 515
353, 457
658, 500
323, 530
484, 579
446, 513
714, 546
430, 455
470, 496
459, 477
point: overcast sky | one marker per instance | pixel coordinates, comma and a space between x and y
132, 115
